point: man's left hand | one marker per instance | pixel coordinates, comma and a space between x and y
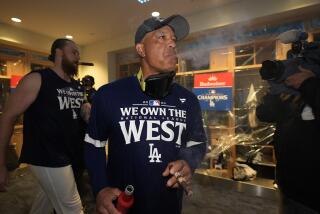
85, 111
298, 78
182, 168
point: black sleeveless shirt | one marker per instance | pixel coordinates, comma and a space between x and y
52, 129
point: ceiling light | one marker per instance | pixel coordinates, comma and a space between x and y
69, 37
155, 14
143, 1
15, 19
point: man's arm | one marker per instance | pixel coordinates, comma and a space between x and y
95, 155
95, 158
193, 155
310, 92
192, 152
85, 111
309, 86
96, 140
195, 148
24, 95
96, 163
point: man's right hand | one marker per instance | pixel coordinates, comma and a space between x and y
104, 203
298, 78
3, 178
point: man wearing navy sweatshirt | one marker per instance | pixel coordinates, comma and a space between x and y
153, 127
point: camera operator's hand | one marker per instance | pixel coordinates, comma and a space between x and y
297, 79
104, 203
181, 167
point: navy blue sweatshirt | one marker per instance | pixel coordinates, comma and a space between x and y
143, 134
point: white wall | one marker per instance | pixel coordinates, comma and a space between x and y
25, 39
28, 40
242, 11
98, 52
228, 14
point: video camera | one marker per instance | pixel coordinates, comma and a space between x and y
87, 83
303, 53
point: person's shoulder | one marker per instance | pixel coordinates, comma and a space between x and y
41, 71
117, 85
35, 75
30, 82
182, 91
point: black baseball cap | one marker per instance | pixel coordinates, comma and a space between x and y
58, 43
178, 24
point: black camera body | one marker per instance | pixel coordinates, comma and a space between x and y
87, 83
303, 53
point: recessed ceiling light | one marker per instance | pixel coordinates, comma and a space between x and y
143, 1
15, 19
155, 14
69, 37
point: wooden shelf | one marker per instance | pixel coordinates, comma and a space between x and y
269, 164
5, 77
238, 68
244, 55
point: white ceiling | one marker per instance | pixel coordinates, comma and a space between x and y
93, 20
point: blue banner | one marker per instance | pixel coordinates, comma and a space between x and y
219, 99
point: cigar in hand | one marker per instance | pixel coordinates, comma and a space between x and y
182, 182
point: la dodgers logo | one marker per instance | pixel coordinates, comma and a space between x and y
154, 154
74, 114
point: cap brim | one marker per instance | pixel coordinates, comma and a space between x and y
179, 25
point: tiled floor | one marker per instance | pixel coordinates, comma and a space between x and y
22, 190
210, 196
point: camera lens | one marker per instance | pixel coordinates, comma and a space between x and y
271, 70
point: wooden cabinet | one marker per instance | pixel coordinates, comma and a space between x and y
232, 132
220, 59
